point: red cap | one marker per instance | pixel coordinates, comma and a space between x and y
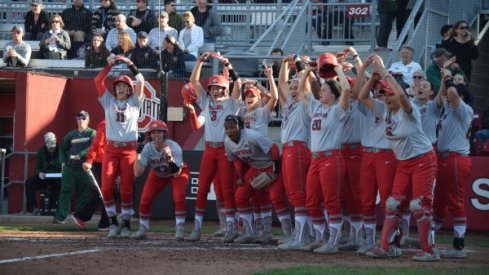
254, 91
326, 64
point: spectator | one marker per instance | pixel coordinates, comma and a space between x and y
73, 153
444, 33
461, 44
120, 26
175, 20
481, 142
191, 38
157, 35
36, 21
460, 78
143, 56
56, 42
433, 72
103, 18
77, 23
124, 46
96, 56
141, 18
207, 18
418, 77
172, 58
388, 11
47, 162
406, 66
17, 53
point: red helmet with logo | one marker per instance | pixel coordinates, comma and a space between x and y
218, 80
326, 63
124, 79
157, 125
188, 93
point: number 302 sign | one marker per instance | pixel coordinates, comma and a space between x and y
358, 11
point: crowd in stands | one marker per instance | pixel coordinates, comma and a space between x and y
79, 33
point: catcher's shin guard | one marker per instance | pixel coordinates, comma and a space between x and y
266, 235
424, 225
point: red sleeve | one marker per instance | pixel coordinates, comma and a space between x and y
194, 121
275, 152
97, 144
100, 79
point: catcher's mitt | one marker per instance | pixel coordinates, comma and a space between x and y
263, 180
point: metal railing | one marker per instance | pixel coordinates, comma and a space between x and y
3, 159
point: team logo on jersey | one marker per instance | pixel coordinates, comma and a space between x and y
151, 108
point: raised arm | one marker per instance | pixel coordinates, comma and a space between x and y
272, 101
304, 90
396, 88
345, 87
236, 94
442, 93
283, 78
195, 76
364, 88
100, 79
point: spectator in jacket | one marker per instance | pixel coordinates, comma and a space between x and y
47, 162
175, 20
207, 18
172, 58
103, 18
36, 21
141, 18
191, 38
120, 26
77, 21
96, 55
143, 56
56, 42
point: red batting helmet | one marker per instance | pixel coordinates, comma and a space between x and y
254, 91
124, 79
188, 93
218, 80
326, 63
157, 125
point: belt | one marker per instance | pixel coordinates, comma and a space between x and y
121, 144
316, 155
450, 154
351, 146
376, 150
214, 144
293, 143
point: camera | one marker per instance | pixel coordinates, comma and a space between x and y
449, 82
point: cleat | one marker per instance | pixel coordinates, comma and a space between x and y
180, 232
327, 248
106, 228
194, 236
125, 233
113, 231
453, 253
349, 246
378, 252
220, 232
56, 221
423, 256
78, 221
312, 246
364, 249
140, 234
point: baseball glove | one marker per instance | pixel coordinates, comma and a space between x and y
262, 180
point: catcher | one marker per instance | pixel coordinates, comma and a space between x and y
248, 148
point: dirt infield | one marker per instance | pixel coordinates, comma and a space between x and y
92, 253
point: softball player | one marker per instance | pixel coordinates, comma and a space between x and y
164, 156
328, 117
121, 107
216, 105
248, 147
415, 173
453, 163
296, 156
378, 165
